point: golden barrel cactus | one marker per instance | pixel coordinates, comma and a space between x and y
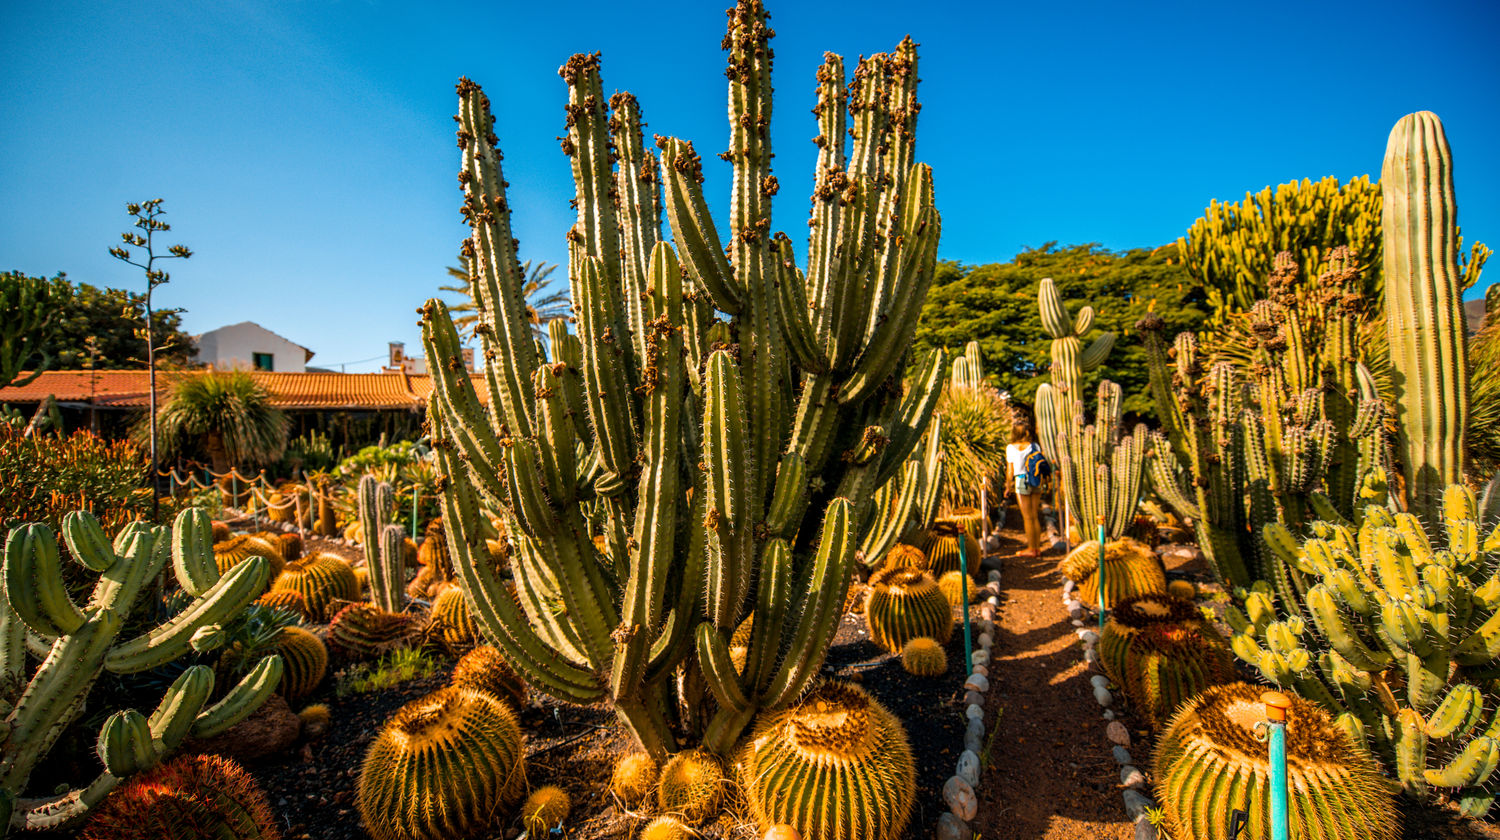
952, 587
1134, 614
691, 785
904, 604
304, 660
634, 778
324, 581
485, 669
1130, 568
666, 828
1166, 666
544, 810
942, 549
364, 631
968, 519
450, 764
923, 657
191, 797
239, 548
837, 766
452, 621
902, 554
285, 599
1210, 761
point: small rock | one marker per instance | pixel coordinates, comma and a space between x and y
1069, 585
1132, 777
986, 640
1089, 637
980, 669
1122, 756
968, 768
980, 657
1104, 697
1109, 714
977, 683
960, 798
271, 730
1144, 830
950, 827
1136, 803
974, 736
1117, 733
1091, 656
986, 612
1099, 681
974, 711
993, 600
994, 577
974, 697
1078, 623
1076, 613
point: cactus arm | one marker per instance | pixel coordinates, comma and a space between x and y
383, 546
692, 227
247, 696
795, 320
832, 113
612, 409
1097, 351
192, 551
725, 453
772, 606
464, 418
33, 582
916, 413
143, 553
639, 214
674, 640
1424, 323
236, 589
87, 542
789, 498
1472, 766
124, 744
713, 653
179, 707
822, 606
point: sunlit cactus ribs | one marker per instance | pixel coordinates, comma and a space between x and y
1130, 568
325, 582
1166, 666
78, 643
904, 604
1210, 762
384, 543
729, 464
197, 797
1402, 641
1130, 616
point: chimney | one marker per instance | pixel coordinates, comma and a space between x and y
398, 353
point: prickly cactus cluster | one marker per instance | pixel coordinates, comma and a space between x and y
325, 582
196, 797
905, 604
1130, 568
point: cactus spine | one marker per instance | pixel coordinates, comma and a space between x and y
691, 786
384, 543
904, 604
197, 797
81, 642
1423, 307
792, 405
324, 581
924, 657
835, 767
484, 669
1130, 569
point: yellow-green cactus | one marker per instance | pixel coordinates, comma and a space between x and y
904, 604
1130, 568
325, 582
691, 786
924, 657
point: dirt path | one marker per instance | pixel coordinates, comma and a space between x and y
1050, 775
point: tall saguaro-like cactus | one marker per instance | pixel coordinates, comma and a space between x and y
1423, 307
727, 465
78, 643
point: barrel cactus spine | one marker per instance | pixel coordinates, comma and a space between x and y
362, 630
1130, 568
304, 662
791, 469
325, 582
544, 810
1130, 617
1209, 761
193, 797
241, 547
905, 604
634, 778
837, 766
475, 740
924, 657
485, 669
84, 642
691, 785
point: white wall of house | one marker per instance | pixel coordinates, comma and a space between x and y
235, 347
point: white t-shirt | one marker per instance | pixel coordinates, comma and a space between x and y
1015, 457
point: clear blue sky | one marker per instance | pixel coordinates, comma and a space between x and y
305, 150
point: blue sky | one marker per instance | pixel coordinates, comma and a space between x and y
305, 150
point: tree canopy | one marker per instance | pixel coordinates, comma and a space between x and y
113, 318
996, 305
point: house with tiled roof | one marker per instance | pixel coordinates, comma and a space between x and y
249, 346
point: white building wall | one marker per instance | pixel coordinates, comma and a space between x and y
235, 346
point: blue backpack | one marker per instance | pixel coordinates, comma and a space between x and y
1038, 468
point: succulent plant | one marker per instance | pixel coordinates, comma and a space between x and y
666, 828
968, 519
1165, 666
924, 657
1210, 761
691, 786
634, 778
82, 642
942, 549
305, 660
289, 545
192, 797
324, 581
1134, 614
1102, 470
544, 810
236, 549
450, 764
315, 721
452, 621
384, 544
362, 630
221, 531
485, 669
905, 604
1183, 590
792, 402
1130, 568
902, 554
836, 766
285, 599
954, 586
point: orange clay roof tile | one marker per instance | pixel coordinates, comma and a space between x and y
297, 391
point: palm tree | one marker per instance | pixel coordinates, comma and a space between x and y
225, 414
540, 308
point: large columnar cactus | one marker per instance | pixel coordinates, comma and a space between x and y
1424, 308
80, 642
1403, 640
835, 767
1212, 761
1059, 403
729, 465
1102, 470
384, 543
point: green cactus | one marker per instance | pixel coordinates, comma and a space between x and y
1165, 666
1102, 471
924, 657
1211, 760
197, 797
384, 543
904, 604
1132, 616
80, 642
836, 766
325, 582
1059, 403
1424, 308
1388, 600
726, 465
450, 764
691, 786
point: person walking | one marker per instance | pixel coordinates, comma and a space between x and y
1023, 457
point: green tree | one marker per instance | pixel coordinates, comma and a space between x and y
226, 416
996, 305
113, 318
26, 332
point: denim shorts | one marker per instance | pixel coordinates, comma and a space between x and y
1023, 487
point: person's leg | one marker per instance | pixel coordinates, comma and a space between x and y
1031, 513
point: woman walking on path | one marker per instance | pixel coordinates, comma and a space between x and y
1028, 495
